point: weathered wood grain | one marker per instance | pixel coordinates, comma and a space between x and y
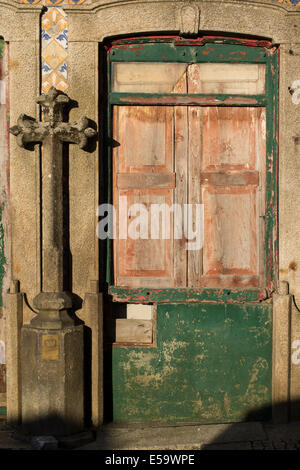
133, 331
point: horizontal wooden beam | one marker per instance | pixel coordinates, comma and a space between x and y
241, 178
185, 100
145, 180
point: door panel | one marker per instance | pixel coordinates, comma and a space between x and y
227, 175
148, 172
222, 150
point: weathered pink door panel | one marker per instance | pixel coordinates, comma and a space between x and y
145, 135
147, 172
199, 155
227, 175
140, 260
229, 138
230, 231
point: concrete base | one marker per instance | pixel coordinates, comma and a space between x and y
52, 381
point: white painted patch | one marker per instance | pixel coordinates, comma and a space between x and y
139, 311
2, 352
296, 92
2, 92
296, 354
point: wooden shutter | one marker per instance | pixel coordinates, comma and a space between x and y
213, 156
148, 139
227, 156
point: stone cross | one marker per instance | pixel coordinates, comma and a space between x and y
53, 303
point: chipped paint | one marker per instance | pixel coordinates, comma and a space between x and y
142, 295
204, 368
187, 100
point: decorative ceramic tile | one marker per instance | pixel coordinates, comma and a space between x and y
30, 2
54, 49
80, 2
54, 2
291, 2
54, 79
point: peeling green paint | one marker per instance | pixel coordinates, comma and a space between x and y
182, 99
1, 48
2, 378
175, 51
2, 254
141, 295
212, 364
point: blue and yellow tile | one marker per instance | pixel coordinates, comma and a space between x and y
54, 49
53, 3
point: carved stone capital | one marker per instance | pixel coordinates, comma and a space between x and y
53, 310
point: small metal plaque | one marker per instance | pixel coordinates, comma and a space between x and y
50, 347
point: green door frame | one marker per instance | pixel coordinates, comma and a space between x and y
205, 49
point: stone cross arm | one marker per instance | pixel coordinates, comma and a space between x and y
76, 133
28, 130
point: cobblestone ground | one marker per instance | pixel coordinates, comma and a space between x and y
254, 445
275, 445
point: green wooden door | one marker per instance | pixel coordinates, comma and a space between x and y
194, 122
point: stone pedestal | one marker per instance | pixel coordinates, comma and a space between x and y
52, 380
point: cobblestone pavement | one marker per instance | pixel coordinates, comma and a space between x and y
275, 445
254, 445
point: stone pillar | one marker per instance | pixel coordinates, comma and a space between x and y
94, 322
14, 321
281, 353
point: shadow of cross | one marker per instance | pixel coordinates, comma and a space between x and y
52, 133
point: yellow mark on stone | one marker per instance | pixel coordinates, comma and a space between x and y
50, 347
13, 64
